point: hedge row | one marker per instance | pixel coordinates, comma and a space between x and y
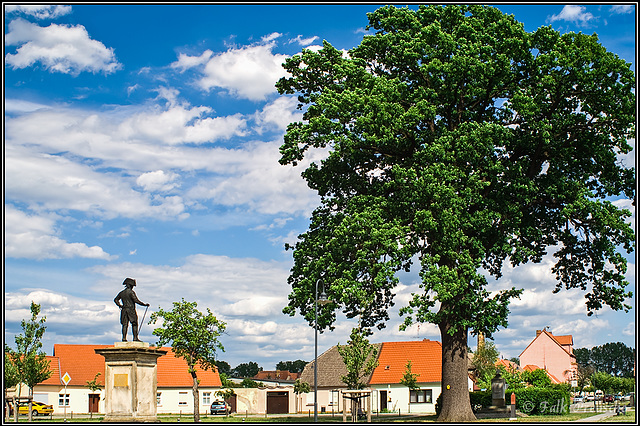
529, 400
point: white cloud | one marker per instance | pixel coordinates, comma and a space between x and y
622, 9
573, 13
59, 48
39, 11
278, 113
157, 181
186, 62
55, 183
35, 237
248, 72
303, 41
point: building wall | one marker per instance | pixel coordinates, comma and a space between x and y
180, 400
78, 400
398, 397
547, 354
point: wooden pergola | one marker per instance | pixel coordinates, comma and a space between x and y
356, 397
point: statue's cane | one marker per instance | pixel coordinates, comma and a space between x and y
142, 322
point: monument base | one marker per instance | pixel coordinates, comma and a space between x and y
131, 382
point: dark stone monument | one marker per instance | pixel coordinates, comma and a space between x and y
497, 390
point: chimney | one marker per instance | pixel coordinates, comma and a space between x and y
538, 332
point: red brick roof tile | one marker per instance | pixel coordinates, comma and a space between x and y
83, 363
425, 356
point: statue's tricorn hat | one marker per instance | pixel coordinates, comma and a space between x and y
130, 281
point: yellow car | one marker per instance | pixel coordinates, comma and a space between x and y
38, 409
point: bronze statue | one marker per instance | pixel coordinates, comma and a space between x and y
128, 312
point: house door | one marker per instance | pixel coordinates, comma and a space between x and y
277, 402
233, 403
94, 402
383, 400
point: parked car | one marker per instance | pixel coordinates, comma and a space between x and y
588, 398
607, 398
219, 407
578, 399
627, 397
38, 409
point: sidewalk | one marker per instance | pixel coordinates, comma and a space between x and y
601, 416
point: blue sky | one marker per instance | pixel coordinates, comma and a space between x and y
142, 141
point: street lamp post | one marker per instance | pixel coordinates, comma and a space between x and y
322, 299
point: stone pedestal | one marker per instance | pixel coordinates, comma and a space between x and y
498, 390
131, 382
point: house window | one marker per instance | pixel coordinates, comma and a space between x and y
183, 398
206, 398
63, 400
421, 396
159, 398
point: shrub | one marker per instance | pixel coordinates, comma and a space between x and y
541, 400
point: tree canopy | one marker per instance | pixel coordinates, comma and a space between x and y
193, 336
616, 359
458, 141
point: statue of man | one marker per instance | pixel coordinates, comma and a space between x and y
128, 312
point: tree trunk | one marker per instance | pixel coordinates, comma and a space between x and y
196, 396
456, 405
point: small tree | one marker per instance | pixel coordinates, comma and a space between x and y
29, 360
409, 379
360, 358
484, 360
11, 377
94, 386
537, 378
193, 337
300, 387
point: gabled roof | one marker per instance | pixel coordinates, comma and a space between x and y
532, 367
330, 369
83, 363
425, 356
508, 365
561, 341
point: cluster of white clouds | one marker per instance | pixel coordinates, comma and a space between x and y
60, 48
579, 16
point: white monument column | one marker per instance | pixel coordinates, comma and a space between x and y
131, 382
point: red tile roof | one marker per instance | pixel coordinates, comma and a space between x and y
425, 356
83, 363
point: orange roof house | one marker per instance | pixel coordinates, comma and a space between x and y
82, 364
425, 357
554, 354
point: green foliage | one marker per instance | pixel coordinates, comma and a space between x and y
459, 141
11, 374
537, 378
246, 369
602, 381
359, 357
484, 361
223, 367
192, 334
532, 400
226, 383
250, 383
28, 358
409, 379
301, 387
93, 384
291, 366
616, 359
225, 394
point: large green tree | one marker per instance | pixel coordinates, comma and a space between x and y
193, 336
456, 140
